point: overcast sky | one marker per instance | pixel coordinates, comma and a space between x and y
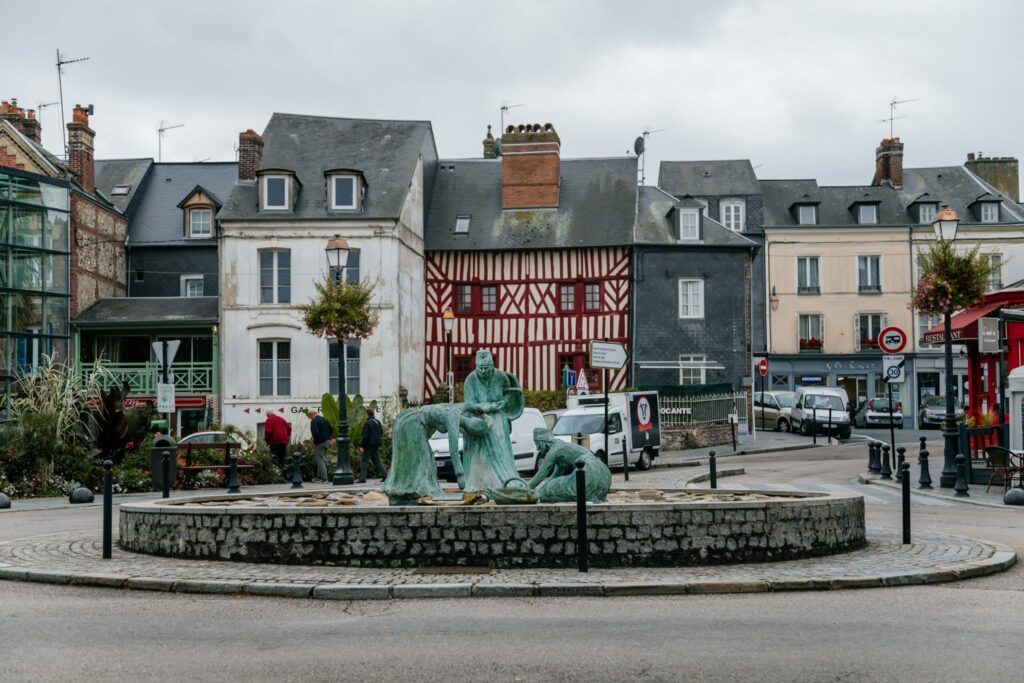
796, 87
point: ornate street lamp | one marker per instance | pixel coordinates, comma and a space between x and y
774, 299
337, 257
945, 225
449, 322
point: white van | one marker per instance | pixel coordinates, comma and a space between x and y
523, 447
811, 411
584, 421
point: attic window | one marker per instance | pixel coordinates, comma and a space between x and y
275, 192
344, 192
925, 213
990, 212
462, 225
867, 213
120, 190
807, 214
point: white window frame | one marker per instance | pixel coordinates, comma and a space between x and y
684, 229
689, 373
462, 223
926, 213
355, 191
807, 258
276, 285
990, 212
821, 328
192, 223
694, 299
995, 280
800, 214
189, 278
863, 287
264, 196
275, 376
334, 371
738, 204
862, 219
927, 322
860, 333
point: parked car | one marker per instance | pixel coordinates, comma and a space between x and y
811, 411
523, 447
878, 412
773, 410
584, 420
933, 411
215, 437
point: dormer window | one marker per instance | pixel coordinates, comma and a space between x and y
990, 212
926, 213
732, 211
806, 214
344, 192
276, 192
462, 225
200, 223
689, 224
867, 214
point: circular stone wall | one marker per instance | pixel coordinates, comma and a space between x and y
644, 534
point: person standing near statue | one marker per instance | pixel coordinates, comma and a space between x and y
320, 429
373, 437
277, 432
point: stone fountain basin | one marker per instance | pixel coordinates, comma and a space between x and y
681, 527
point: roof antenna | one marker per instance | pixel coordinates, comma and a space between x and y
61, 61
640, 146
160, 138
505, 106
892, 112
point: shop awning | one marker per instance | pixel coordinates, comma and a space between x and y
964, 325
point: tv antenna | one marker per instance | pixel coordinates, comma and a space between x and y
160, 137
640, 146
61, 61
892, 112
505, 106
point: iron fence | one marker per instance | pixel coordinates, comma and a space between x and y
697, 410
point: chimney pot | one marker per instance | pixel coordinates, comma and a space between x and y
250, 154
489, 145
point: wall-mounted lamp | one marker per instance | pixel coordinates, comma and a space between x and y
774, 300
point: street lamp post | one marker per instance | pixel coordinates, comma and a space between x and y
337, 257
449, 323
945, 225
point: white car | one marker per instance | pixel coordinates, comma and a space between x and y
523, 448
197, 438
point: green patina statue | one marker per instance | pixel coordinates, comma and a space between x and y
555, 481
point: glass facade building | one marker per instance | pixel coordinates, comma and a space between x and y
34, 272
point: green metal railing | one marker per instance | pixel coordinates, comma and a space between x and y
142, 378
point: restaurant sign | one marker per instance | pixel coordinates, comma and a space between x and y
988, 335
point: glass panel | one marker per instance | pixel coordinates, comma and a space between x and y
201, 222
593, 294
275, 188
284, 373
57, 231
26, 313
352, 368
344, 192
27, 191
284, 277
55, 197
28, 227
55, 271
567, 294
464, 298
202, 349
352, 267
333, 367
266, 368
489, 299
27, 270
266, 277
56, 315
462, 225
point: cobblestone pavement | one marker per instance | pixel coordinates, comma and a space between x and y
75, 558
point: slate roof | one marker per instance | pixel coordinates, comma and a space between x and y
656, 224
958, 187
136, 310
113, 172
708, 178
834, 203
386, 152
158, 220
596, 207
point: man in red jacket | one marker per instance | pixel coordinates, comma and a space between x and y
276, 432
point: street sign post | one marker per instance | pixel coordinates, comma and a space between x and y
893, 373
892, 339
165, 397
581, 384
762, 369
607, 355
165, 351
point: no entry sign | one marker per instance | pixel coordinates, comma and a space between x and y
892, 340
762, 367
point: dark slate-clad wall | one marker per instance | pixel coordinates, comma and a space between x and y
662, 336
162, 268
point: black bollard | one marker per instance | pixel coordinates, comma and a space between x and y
905, 478
925, 480
874, 458
233, 483
582, 544
828, 429
732, 428
814, 425
165, 463
625, 460
296, 471
886, 467
924, 441
714, 469
961, 476
901, 457
108, 508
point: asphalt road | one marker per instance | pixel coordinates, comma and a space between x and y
954, 632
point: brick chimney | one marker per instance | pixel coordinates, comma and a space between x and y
889, 163
530, 167
23, 119
489, 145
250, 154
81, 140
31, 127
1002, 173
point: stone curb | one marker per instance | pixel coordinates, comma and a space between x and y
697, 461
701, 478
1003, 558
872, 479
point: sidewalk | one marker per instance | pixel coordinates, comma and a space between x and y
976, 494
766, 442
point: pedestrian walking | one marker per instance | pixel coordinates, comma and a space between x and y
373, 436
277, 432
320, 430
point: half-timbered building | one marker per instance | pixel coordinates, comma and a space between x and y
532, 254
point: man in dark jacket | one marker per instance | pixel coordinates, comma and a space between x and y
373, 436
320, 430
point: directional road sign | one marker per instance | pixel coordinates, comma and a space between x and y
607, 355
893, 369
892, 339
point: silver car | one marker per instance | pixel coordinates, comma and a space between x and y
878, 412
933, 411
772, 410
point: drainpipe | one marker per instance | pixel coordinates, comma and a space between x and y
912, 376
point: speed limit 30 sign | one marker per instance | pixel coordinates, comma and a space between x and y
892, 340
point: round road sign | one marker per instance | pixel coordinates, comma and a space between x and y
892, 340
762, 367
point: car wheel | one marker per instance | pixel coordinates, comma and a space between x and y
783, 425
644, 461
805, 428
844, 433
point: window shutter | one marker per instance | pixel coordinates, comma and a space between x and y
856, 331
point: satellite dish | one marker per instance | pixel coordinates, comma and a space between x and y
638, 145
496, 147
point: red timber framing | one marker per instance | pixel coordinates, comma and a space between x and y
530, 329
